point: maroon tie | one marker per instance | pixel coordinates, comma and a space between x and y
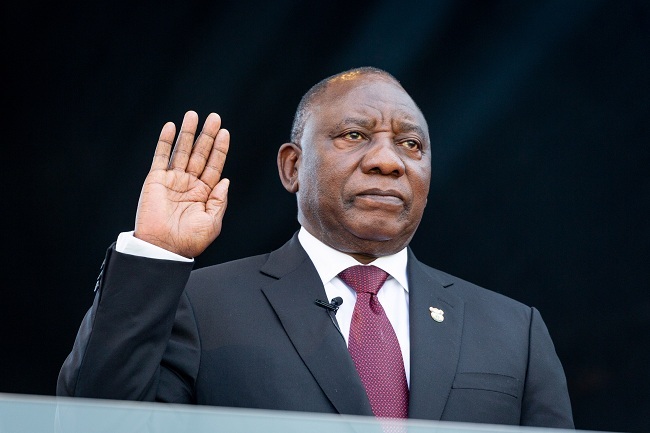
373, 345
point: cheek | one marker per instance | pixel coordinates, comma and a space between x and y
320, 186
329, 179
421, 191
421, 177
420, 188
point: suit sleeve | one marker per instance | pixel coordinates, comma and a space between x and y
138, 341
546, 398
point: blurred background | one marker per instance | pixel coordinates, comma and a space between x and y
538, 113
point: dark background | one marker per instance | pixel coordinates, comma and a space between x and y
539, 118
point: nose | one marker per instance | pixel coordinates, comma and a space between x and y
382, 157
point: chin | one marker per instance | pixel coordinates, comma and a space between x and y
382, 236
381, 232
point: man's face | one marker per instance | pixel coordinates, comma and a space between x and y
365, 166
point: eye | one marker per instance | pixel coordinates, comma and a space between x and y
353, 135
410, 144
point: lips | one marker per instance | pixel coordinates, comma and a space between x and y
380, 197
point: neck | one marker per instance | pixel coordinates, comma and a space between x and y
362, 258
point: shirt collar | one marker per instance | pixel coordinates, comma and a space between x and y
330, 262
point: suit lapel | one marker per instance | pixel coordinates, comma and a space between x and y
435, 346
310, 327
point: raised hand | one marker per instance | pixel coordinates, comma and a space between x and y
183, 199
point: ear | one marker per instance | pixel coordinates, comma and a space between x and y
288, 164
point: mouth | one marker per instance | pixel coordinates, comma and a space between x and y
381, 197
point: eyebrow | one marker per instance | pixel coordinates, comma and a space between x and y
410, 127
369, 124
364, 123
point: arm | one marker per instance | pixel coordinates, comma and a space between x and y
138, 341
119, 347
546, 398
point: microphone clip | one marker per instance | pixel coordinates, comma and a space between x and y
331, 306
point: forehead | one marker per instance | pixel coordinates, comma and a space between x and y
372, 96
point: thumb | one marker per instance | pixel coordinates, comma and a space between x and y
218, 200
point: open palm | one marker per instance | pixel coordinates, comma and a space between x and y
184, 198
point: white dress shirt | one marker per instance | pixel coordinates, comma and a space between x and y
329, 262
393, 295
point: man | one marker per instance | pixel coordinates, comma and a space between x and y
249, 333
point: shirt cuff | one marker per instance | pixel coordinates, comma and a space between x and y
129, 244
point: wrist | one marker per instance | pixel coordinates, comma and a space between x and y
129, 243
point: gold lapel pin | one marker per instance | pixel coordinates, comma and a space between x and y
437, 314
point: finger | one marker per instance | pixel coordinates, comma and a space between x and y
184, 141
203, 145
217, 203
217, 159
164, 147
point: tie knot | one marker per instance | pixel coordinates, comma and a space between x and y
367, 279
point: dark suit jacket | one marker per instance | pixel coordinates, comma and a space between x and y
247, 333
